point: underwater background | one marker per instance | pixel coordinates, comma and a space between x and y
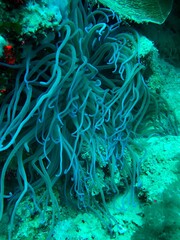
89, 119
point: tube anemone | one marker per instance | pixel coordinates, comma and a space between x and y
79, 100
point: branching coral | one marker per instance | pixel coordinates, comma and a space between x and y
81, 88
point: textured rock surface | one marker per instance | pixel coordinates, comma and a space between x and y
141, 11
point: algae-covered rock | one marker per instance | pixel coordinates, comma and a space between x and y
3, 42
155, 11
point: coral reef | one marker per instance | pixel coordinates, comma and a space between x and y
85, 123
